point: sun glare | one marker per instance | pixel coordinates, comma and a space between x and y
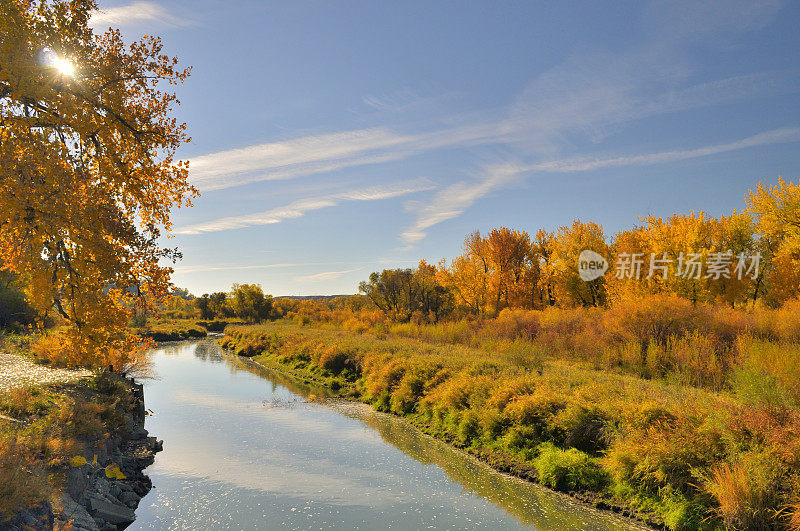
49, 58
64, 66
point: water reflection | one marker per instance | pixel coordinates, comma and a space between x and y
209, 351
244, 449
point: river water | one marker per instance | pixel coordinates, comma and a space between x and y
244, 448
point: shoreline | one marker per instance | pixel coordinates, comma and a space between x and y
96, 496
527, 476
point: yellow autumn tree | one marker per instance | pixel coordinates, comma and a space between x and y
494, 272
675, 254
544, 250
777, 212
468, 275
87, 170
569, 242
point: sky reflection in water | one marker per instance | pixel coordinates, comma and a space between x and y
243, 449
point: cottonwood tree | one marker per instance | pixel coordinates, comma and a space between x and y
777, 212
494, 272
87, 170
403, 294
248, 302
568, 244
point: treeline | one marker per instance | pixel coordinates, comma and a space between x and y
246, 302
737, 260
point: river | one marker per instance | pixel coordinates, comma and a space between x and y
245, 448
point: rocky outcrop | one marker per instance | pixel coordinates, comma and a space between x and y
96, 499
93, 500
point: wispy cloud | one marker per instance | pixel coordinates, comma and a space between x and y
776, 136
311, 155
585, 96
206, 268
134, 13
210, 268
452, 201
301, 207
326, 275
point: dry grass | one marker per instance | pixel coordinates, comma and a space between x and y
743, 501
23, 479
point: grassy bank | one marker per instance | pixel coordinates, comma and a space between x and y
688, 456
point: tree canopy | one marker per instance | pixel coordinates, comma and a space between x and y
88, 176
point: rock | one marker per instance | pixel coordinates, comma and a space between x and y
142, 487
78, 481
138, 433
77, 514
114, 513
102, 486
129, 498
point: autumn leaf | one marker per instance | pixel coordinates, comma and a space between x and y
113, 472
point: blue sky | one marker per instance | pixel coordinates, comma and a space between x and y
332, 139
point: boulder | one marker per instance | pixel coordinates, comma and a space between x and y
73, 512
114, 513
129, 498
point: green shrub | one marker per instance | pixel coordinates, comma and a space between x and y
469, 428
584, 429
568, 470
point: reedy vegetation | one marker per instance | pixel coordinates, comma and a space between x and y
700, 442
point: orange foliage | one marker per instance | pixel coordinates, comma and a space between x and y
89, 176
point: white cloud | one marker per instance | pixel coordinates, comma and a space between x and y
299, 208
311, 155
452, 201
776, 136
583, 98
326, 275
134, 13
206, 268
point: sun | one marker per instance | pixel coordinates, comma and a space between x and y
64, 66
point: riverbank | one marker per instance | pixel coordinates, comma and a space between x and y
655, 450
342, 401
74, 454
251, 447
167, 330
346, 399
273, 348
